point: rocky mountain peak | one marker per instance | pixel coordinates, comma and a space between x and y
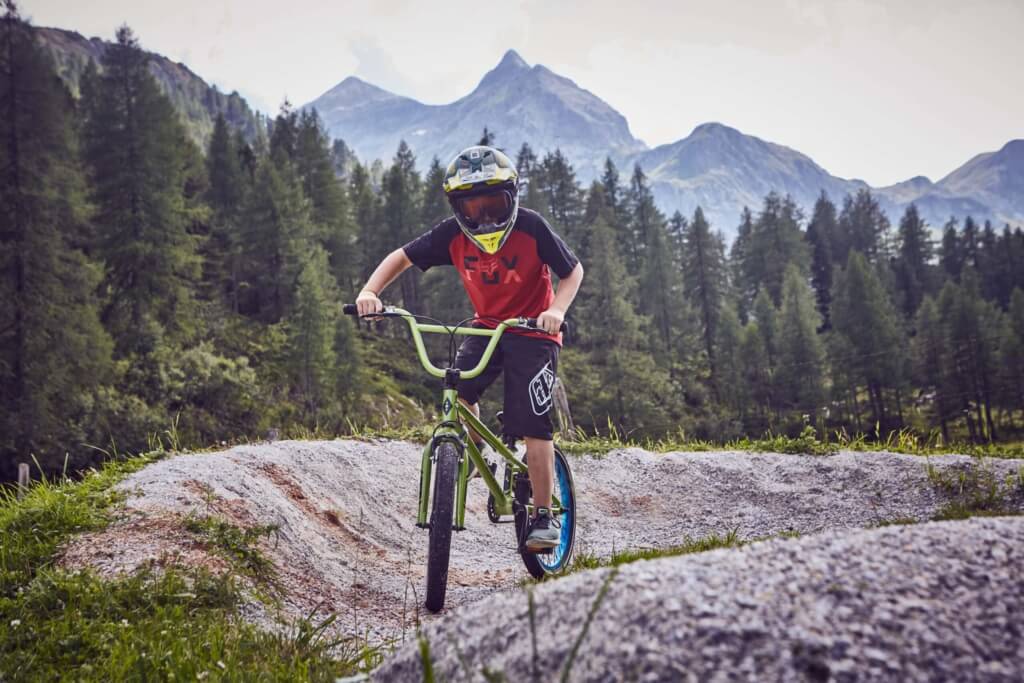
714, 128
509, 68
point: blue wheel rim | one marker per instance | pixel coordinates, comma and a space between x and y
559, 554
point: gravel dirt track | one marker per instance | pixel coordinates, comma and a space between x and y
345, 511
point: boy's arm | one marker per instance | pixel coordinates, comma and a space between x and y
394, 264
551, 319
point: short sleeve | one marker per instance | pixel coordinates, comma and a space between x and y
552, 249
431, 248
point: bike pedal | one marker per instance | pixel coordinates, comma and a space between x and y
458, 528
539, 551
423, 526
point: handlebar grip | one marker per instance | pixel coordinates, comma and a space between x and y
532, 322
350, 309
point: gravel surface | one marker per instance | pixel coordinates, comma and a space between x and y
345, 511
939, 601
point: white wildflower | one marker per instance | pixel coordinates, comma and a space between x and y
222, 665
15, 623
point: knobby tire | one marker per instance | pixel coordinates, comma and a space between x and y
523, 494
445, 468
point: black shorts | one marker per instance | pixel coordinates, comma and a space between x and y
529, 364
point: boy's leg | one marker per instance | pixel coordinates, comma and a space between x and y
540, 459
470, 391
530, 366
475, 409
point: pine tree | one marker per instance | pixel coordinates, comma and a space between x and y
312, 326
801, 365
277, 230
54, 355
135, 148
704, 276
820, 233
914, 254
741, 265
677, 230
757, 380
526, 162
864, 316
765, 316
864, 227
1013, 350
342, 158
284, 134
644, 218
989, 264
367, 212
970, 244
775, 242
972, 334
487, 138
660, 295
561, 200
730, 381
951, 256
612, 187
617, 380
402, 216
329, 203
225, 193
931, 361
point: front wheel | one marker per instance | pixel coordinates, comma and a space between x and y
542, 564
445, 466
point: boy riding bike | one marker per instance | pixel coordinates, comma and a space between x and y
504, 255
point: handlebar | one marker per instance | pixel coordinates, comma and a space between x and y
391, 312
417, 328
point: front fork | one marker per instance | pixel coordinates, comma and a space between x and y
451, 429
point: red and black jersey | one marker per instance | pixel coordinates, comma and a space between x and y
514, 282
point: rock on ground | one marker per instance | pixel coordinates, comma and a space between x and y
940, 601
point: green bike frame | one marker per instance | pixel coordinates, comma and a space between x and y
455, 418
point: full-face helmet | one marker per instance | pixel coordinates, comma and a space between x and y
482, 187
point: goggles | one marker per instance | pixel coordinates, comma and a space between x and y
485, 211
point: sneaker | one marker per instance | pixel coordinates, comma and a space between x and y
545, 531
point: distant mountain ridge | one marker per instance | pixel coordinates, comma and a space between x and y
521, 103
716, 167
197, 102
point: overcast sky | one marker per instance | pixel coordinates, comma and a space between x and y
869, 89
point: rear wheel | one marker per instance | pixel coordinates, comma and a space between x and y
445, 466
541, 564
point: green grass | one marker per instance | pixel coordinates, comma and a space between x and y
236, 545
583, 561
178, 624
808, 443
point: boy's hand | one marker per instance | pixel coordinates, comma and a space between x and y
367, 303
551, 320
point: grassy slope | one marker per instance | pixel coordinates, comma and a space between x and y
173, 625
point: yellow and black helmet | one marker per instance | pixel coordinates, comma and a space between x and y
482, 187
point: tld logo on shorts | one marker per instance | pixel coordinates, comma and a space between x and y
540, 390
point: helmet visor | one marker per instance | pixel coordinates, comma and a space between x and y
483, 212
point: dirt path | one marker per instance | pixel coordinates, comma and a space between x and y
345, 512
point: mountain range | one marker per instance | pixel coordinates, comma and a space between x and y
197, 102
716, 167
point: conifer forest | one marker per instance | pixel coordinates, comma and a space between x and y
151, 289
